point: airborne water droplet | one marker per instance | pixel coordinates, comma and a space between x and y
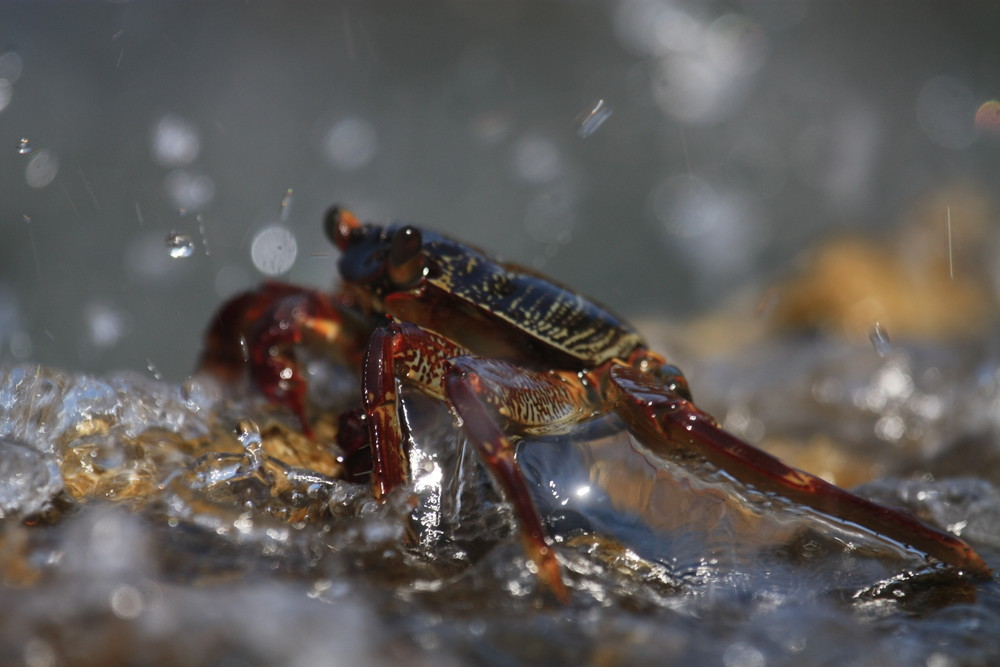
24, 146
151, 367
180, 245
880, 340
286, 203
588, 122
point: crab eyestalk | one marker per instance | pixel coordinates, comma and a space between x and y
340, 225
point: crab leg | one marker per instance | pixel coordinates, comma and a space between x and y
667, 422
399, 351
264, 326
482, 392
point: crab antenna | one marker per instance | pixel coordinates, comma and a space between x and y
340, 225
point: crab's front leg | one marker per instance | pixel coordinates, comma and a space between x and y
667, 421
482, 393
259, 330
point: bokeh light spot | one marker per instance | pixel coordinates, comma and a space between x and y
175, 142
551, 215
988, 116
10, 67
351, 143
105, 323
191, 192
231, 279
536, 159
273, 250
41, 169
946, 111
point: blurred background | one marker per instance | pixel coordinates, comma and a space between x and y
157, 157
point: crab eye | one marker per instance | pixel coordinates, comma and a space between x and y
341, 227
406, 263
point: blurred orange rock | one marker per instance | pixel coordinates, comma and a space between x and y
930, 280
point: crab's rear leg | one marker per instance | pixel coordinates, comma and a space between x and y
258, 331
667, 422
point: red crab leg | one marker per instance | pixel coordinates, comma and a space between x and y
406, 352
264, 325
667, 422
480, 391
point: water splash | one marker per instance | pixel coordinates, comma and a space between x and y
29, 479
248, 434
186, 494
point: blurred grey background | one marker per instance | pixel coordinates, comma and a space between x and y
657, 154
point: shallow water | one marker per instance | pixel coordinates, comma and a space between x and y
139, 527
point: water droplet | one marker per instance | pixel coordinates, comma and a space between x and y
248, 434
286, 204
24, 146
587, 123
151, 367
180, 245
880, 340
26, 218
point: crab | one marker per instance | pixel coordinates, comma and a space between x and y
513, 354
